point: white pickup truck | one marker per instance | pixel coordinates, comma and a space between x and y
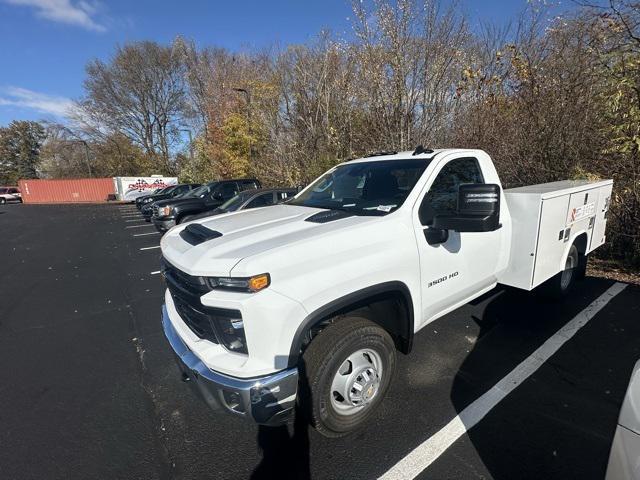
307, 303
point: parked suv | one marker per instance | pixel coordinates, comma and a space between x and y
141, 200
168, 213
170, 192
164, 193
10, 194
262, 197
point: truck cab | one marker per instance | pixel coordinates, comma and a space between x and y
307, 303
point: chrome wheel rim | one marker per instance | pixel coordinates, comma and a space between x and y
567, 273
357, 381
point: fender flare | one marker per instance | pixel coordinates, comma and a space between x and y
353, 299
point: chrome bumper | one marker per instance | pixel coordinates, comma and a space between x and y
163, 225
267, 400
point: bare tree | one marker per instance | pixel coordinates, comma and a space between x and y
140, 93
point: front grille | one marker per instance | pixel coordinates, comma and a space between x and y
188, 285
217, 325
155, 210
199, 322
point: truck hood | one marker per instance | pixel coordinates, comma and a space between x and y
248, 233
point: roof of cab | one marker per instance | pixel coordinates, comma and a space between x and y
409, 154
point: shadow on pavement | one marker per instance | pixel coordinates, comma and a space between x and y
285, 455
559, 423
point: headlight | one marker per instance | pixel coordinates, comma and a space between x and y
241, 284
147, 200
164, 211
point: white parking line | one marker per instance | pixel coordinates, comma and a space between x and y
428, 451
136, 220
137, 226
156, 272
143, 234
150, 248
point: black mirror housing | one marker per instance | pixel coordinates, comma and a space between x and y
478, 210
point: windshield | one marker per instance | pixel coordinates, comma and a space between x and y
4, 190
366, 188
235, 202
199, 192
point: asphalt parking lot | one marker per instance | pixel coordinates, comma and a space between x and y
89, 389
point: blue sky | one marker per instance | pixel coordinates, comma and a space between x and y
46, 43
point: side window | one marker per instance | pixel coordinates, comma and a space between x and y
179, 191
229, 190
248, 185
261, 201
13, 190
442, 197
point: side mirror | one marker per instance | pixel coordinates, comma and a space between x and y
478, 210
217, 196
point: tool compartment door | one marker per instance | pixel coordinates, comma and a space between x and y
598, 236
551, 242
582, 205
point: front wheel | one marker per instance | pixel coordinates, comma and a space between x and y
3, 200
349, 366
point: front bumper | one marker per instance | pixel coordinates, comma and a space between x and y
267, 400
162, 225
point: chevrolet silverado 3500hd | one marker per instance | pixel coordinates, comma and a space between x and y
326, 288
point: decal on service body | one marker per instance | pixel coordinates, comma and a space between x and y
578, 213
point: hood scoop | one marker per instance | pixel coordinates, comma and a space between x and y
328, 216
195, 234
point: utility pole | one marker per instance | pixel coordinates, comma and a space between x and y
86, 148
190, 142
247, 96
86, 156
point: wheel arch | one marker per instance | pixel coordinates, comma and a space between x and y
581, 241
379, 298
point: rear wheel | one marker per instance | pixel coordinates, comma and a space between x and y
349, 366
561, 284
3, 200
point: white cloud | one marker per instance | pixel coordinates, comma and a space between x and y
41, 102
80, 13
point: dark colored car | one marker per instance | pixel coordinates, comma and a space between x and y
174, 191
167, 213
164, 193
141, 200
262, 197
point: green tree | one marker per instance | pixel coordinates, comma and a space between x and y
20, 145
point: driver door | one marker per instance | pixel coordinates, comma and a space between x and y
455, 270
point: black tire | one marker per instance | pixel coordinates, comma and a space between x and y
326, 354
561, 284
